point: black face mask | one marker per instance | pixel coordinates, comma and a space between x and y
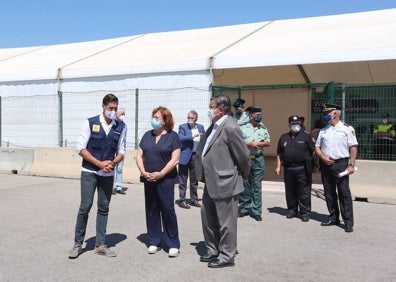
258, 118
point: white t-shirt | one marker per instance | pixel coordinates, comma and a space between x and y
335, 141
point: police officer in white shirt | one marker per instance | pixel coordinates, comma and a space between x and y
336, 147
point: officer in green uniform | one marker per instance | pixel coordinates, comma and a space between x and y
241, 116
256, 138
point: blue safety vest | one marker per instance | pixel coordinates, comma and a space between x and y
102, 146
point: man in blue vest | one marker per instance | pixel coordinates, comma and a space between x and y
101, 144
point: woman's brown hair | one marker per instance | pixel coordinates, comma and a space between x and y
167, 117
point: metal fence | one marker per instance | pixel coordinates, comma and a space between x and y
363, 107
56, 120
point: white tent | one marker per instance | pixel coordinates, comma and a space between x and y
359, 37
359, 47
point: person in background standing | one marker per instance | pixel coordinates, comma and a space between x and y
157, 158
120, 166
256, 137
101, 138
314, 134
189, 134
223, 163
384, 136
241, 116
302, 119
295, 151
336, 148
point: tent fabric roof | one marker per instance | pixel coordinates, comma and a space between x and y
363, 36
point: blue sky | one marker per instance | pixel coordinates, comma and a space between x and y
45, 22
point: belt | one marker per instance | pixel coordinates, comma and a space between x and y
252, 157
340, 160
294, 164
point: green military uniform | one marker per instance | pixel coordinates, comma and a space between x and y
242, 118
250, 200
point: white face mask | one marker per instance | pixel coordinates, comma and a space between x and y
122, 118
384, 121
110, 114
211, 114
296, 128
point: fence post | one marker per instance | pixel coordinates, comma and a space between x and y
136, 118
330, 89
1, 111
60, 118
343, 101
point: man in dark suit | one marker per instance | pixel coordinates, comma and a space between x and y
189, 134
225, 163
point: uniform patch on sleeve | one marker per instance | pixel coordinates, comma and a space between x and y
95, 128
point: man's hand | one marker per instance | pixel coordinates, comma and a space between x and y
327, 160
107, 166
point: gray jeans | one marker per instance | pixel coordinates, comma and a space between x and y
89, 183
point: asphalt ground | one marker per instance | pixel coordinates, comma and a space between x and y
37, 228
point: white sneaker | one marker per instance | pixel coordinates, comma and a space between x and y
153, 249
173, 252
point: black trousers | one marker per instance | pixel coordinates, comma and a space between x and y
298, 190
333, 184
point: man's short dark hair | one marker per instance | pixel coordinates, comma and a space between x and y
109, 98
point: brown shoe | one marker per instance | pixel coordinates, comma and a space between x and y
103, 250
196, 204
184, 205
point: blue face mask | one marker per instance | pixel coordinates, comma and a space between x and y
327, 117
155, 123
258, 118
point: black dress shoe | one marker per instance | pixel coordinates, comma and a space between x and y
121, 192
242, 214
305, 219
330, 223
207, 258
348, 228
257, 217
289, 215
219, 264
195, 204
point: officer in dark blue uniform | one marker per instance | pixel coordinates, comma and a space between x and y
295, 150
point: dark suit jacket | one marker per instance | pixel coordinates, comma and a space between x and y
186, 139
226, 160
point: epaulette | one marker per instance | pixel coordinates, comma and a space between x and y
347, 125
